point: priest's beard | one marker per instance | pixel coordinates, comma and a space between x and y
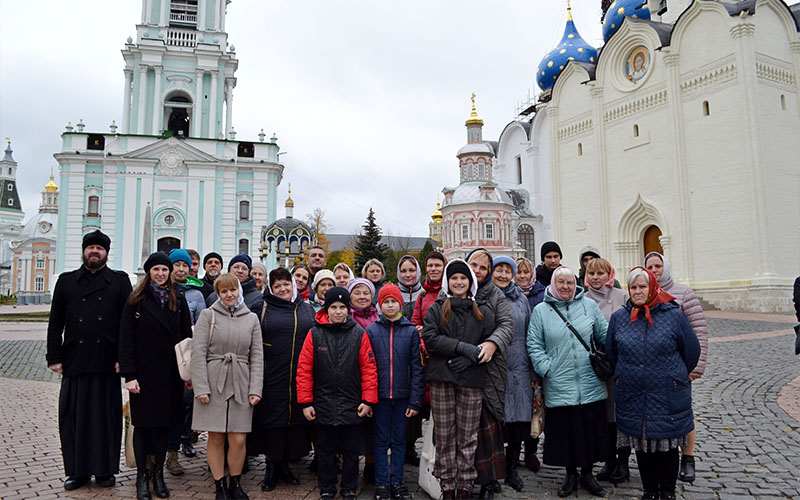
93, 262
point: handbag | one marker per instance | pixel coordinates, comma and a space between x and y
427, 460
537, 410
130, 459
183, 352
600, 363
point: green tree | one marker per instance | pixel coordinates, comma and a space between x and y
426, 249
368, 245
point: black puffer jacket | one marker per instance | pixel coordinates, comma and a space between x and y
336, 371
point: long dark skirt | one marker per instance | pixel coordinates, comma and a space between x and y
576, 436
90, 424
282, 443
490, 456
516, 432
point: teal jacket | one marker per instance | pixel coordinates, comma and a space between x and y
559, 357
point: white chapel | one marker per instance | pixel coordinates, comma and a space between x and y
172, 173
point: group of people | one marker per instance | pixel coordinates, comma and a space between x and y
289, 360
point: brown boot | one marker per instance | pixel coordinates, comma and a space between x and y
173, 466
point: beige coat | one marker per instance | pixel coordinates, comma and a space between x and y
229, 367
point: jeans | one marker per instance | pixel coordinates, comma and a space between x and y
390, 432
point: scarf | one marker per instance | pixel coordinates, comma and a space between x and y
655, 296
304, 294
366, 316
554, 291
160, 293
609, 283
544, 275
526, 288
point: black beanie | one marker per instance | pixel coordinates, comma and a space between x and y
550, 246
244, 259
459, 267
155, 259
96, 237
212, 255
337, 294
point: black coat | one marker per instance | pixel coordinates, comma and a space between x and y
84, 320
147, 339
208, 286
283, 330
797, 297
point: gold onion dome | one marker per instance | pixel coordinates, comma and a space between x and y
289, 201
473, 117
436, 216
51, 185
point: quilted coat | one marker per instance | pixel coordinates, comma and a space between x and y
690, 305
519, 394
559, 357
652, 391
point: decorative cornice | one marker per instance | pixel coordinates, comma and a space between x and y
712, 80
578, 127
671, 60
795, 46
636, 106
775, 72
596, 92
743, 29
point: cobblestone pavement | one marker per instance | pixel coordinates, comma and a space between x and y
747, 408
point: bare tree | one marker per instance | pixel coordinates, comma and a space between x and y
316, 220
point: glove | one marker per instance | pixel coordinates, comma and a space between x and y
469, 351
459, 364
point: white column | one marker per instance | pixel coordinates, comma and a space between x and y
201, 15
222, 5
216, 15
144, 11
212, 113
163, 19
228, 105
197, 116
142, 97
555, 171
148, 16
602, 163
158, 106
126, 98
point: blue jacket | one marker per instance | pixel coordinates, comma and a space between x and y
536, 295
559, 357
191, 289
397, 355
519, 394
652, 391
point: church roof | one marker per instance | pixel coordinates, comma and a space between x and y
41, 225
470, 192
572, 47
475, 147
8, 152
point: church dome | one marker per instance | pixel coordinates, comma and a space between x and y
620, 9
471, 192
436, 216
571, 47
41, 225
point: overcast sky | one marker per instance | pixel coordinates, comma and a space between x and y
368, 98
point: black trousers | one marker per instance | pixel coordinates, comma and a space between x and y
659, 470
333, 439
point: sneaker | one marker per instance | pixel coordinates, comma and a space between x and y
382, 492
173, 466
400, 492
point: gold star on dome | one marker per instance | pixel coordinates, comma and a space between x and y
635, 16
550, 64
570, 36
621, 11
591, 59
561, 67
580, 50
562, 51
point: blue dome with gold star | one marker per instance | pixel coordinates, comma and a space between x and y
571, 47
620, 9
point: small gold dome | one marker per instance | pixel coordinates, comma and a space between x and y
51, 185
436, 216
289, 201
473, 117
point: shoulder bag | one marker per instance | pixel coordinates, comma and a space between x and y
183, 352
600, 363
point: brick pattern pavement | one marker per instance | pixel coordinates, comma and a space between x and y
746, 439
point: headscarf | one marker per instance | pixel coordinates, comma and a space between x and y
488, 277
529, 286
611, 277
655, 296
666, 275
419, 271
459, 266
342, 265
553, 291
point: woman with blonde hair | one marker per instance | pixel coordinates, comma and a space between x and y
374, 271
227, 372
342, 274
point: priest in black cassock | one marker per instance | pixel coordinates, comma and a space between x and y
82, 346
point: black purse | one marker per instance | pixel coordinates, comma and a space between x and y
600, 363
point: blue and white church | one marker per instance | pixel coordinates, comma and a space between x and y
172, 173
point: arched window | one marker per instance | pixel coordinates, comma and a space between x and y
177, 108
93, 206
580, 149
244, 246
706, 108
635, 130
526, 241
783, 103
244, 210
652, 240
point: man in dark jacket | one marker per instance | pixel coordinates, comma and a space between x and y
82, 346
316, 260
240, 266
212, 265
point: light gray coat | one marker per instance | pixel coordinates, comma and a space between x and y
228, 366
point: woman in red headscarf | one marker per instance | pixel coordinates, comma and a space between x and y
654, 349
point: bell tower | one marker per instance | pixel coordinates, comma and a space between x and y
179, 72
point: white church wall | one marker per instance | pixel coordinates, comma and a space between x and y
775, 30
513, 144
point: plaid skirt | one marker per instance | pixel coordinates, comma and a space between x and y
490, 457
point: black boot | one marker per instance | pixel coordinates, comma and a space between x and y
494, 486
235, 491
222, 489
621, 471
512, 476
270, 477
142, 485
485, 494
569, 485
604, 474
667, 496
285, 473
687, 469
159, 486
650, 495
590, 484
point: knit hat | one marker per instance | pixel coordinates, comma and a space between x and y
96, 237
212, 255
589, 250
322, 274
550, 246
458, 266
387, 291
361, 281
502, 259
242, 257
179, 254
337, 294
155, 259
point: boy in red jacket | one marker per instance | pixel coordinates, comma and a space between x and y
337, 384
